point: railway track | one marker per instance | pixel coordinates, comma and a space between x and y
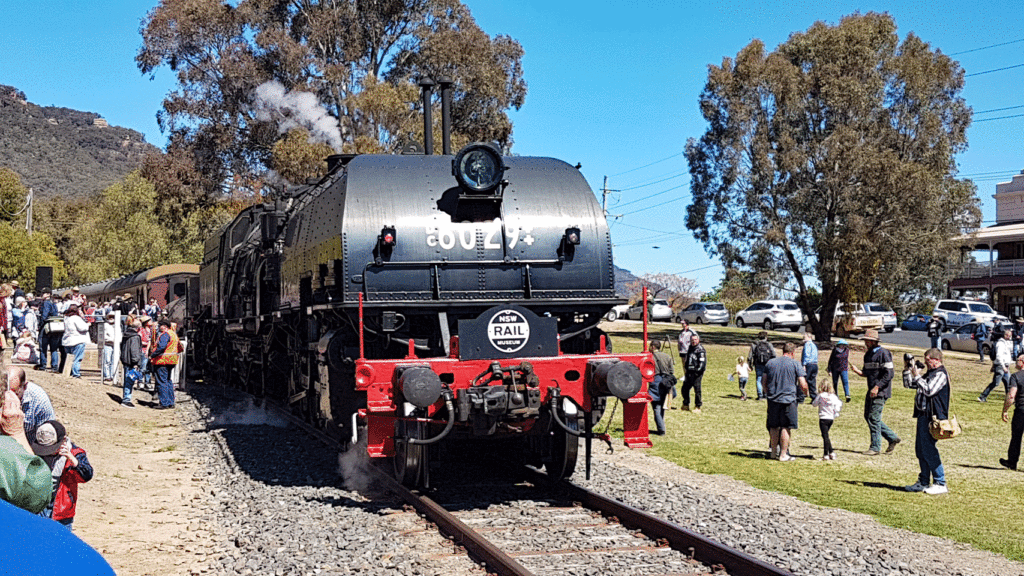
611, 528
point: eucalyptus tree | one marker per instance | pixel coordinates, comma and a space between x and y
833, 157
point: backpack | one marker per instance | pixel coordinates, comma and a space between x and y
992, 350
763, 352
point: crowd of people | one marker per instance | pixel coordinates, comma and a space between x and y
786, 381
46, 331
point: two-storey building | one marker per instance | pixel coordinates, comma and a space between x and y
1001, 275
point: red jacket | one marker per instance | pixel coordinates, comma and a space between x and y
66, 495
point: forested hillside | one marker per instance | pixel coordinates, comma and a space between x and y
64, 153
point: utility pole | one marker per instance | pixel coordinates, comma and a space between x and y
604, 197
28, 215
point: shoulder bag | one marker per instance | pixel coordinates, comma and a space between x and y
948, 428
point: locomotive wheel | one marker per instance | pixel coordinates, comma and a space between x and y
410, 459
564, 449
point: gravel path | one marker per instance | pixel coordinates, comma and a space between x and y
274, 503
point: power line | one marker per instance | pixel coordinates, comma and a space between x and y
649, 196
994, 70
676, 175
1000, 109
654, 206
987, 47
1000, 117
649, 165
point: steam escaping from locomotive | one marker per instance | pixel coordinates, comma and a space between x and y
291, 109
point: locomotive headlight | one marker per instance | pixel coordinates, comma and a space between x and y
478, 168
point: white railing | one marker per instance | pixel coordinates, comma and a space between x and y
998, 268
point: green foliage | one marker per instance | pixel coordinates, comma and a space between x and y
60, 152
12, 196
359, 59
296, 157
833, 157
121, 235
20, 253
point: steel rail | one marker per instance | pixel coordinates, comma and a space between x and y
478, 547
699, 547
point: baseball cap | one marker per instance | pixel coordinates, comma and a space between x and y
48, 437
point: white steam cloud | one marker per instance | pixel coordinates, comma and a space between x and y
296, 109
248, 413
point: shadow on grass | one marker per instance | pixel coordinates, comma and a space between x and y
755, 454
874, 485
980, 466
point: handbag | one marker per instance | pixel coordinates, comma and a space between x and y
943, 429
54, 325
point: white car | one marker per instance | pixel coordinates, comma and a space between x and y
617, 312
771, 314
661, 311
955, 313
888, 315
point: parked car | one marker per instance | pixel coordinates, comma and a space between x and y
617, 312
661, 311
962, 339
916, 322
704, 313
771, 314
888, 315
955, 313
855, 319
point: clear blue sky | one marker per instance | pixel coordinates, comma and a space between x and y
612, 85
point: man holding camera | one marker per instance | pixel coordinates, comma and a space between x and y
931, 400
878, 369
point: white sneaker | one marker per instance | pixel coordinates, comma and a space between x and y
916, 487
786, 458
936, 489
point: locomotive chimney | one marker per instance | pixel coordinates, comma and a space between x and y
427, 88
446, 115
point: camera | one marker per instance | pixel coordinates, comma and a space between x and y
909, 359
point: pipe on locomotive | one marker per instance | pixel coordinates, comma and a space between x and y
427, 91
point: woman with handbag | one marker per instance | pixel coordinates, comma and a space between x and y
931, 404
76, 334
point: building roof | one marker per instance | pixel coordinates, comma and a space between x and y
984, 238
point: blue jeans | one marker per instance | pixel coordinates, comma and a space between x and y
935, 341
997, 377
76, 352
164, 386
759, 373
928, 455
811, 375
109, 364
844, 375
877, 428
142, 367
981, 351
49, 349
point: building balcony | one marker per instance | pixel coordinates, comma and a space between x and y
996, 268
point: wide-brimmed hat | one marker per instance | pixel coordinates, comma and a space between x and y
75, 289
1020, 318
871, 334
47, 438
14, 283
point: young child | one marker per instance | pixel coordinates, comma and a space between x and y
69, 467
742, 372
828, 408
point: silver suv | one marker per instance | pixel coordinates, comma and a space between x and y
955, 313
704, 313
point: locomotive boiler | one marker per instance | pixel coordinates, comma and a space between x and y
419, 300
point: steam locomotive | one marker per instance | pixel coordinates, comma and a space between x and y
412, 301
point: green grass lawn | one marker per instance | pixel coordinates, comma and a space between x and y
729, 437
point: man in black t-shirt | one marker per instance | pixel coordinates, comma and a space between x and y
1015, 398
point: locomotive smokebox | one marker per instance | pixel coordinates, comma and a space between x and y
420, 386
614, 378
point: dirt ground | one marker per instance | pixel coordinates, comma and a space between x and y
136, 509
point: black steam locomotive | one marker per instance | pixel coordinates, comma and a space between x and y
425, 299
